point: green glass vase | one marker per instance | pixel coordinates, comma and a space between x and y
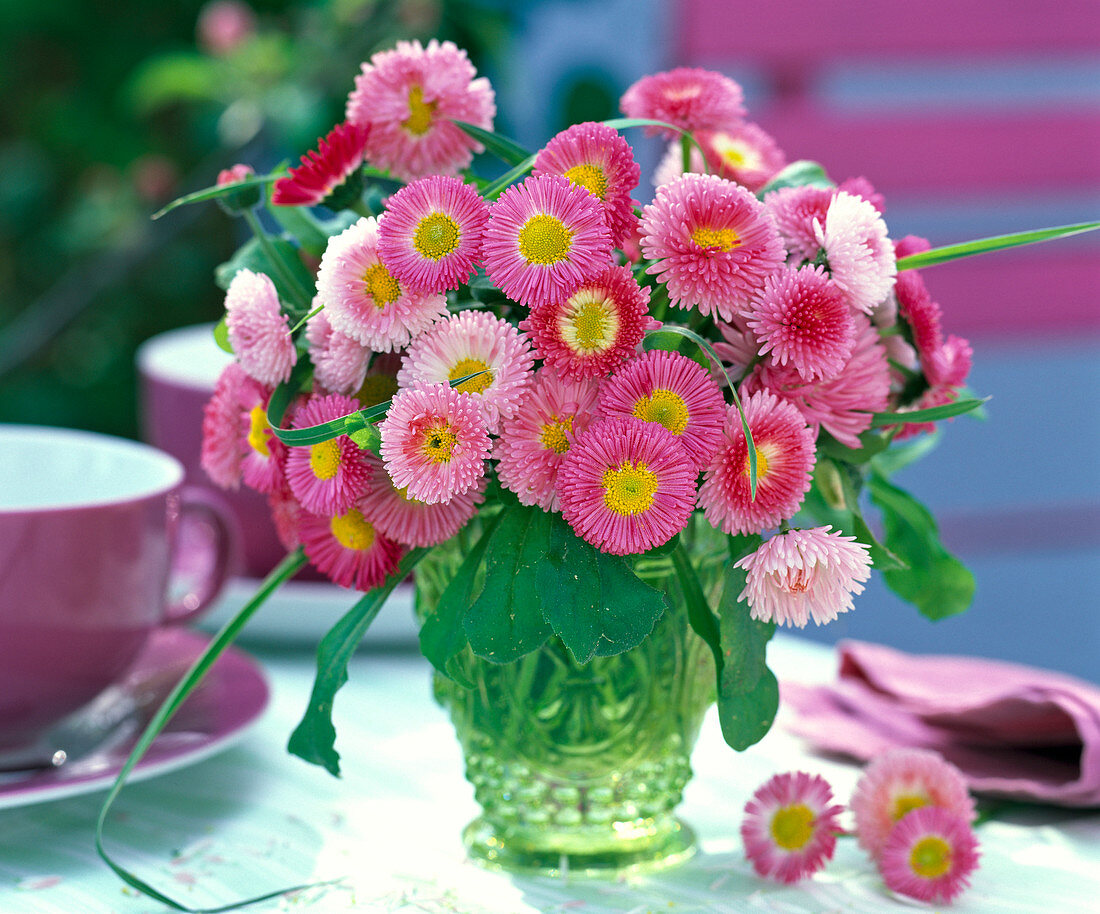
580, 767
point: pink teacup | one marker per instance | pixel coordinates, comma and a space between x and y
97, 536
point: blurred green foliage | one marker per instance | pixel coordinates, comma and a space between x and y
113, 107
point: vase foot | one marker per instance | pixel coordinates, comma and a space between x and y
493, 849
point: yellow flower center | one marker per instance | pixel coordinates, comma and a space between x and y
930, 857
544, 239
761, 464
324, 459
377, 388
589, 323
629, 488
554, 437
352, 530
725, 239
436, 236
381, 286
438, 443
590, 177
906, 803
793, 826
734, 153
665, 407
259, 431
421, 113
465, 367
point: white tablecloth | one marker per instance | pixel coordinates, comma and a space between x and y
254, 819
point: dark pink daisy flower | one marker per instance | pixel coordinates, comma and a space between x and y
409, 98
804, 574
597, 158
330, 477
801, 318
673, 391
411, 522
534, 442
784, 461
626, 486
434, 442
347, 549
594, 330
842, 405
328, 175
930, 855
431, 236
545, 238
713, 244
799, 212
899, 781
223, 446
790, 826
687, 97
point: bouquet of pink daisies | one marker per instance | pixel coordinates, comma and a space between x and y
579, 378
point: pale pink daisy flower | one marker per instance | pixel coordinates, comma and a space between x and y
534, 442
626, 486
339, 362
265, 456
713, 244
465, 344
409, 96
412, 522
673, 391
237, 201
738, 346
784, 461
595, 329
223, 446
434, 442
858, 250
545, 237
597, 158
328, 175
330, 477
745, 154
431, 236
347, 549
799, 212
364, 300
259, 331
803, 319
946, 371
687, 97
790, 826
929, 855
843, 405
902, 780
804, 574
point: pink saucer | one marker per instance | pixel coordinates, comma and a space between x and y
228, 701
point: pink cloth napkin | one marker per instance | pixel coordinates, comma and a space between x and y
1012, 730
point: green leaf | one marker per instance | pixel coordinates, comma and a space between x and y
212, 193
506, 620
871, 444
629, 607
252, 256
797, 174
932, 414
748, 693
303, 225
367, 438
490, 191
508, 151
700, 616
221, 336
901, 455
314, 738
283, 395
996, 243
937, 583
442, 636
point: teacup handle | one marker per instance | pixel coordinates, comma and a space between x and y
218, 543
